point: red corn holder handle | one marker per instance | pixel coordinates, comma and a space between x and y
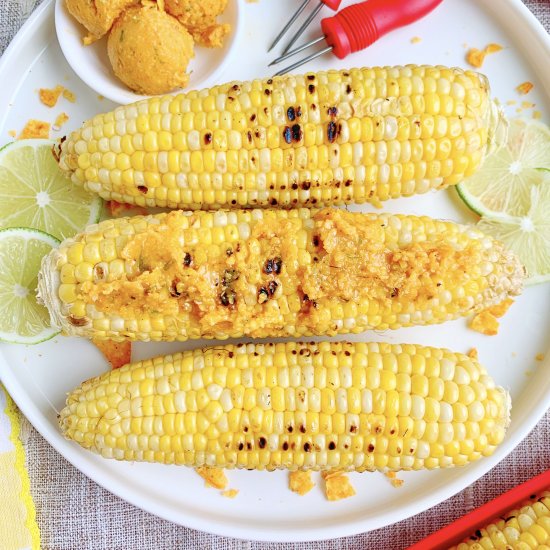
359, 25
465, 526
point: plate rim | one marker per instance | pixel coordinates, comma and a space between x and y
90, 466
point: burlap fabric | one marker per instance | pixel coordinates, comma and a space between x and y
74, 513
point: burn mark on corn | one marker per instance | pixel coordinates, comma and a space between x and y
285, 446
370, 448
331, 446
207, 138
311, 89
241, 446
332, 111
174, 292
228, 297
187, 259
262, 442
142, 189
297, 132
287, 134
253, 118
316, 242
273, 202
332, 131
273, 265
263, 295
311, 77
291, 114
307, 446
306, 185
348, 89
78, 321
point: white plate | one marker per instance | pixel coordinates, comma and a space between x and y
38, 377
92, 65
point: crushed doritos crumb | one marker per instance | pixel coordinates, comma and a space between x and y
35, 129
539, 357
100, 97
88, 40
500, 309
327, 474
476, 57
397, 482
416, 39
49, 97
493, 48
391, 475
230, 493
59, 121
537, 115
472, 354
214, 477
525, 87
117, 353
485, 322
338, 487
12, 133
527, 104
300, 482
68, 95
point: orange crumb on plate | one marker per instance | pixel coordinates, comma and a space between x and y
214, 477
35, 129
338, 487
539, 357
397, 482
117, 353
525, 87
391, 475
49, 97
500, 309
476, 57
472, 354
60, 120
69, 96
485, 322
300, 482
537, 114
12, 133
527, 104
416, 39
230, 493
493, 48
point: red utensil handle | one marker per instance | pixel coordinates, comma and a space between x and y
358, 26
332, 4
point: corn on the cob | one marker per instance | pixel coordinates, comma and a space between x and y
267, 273
523, 529
323, 138
348, 406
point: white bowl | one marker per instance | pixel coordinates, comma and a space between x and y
92, 65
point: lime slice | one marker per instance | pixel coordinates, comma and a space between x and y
503, 184
528, 236
22, 319
34, 192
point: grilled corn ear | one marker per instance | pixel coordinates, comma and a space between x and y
345, 406
319, 139
522, 529
268, 273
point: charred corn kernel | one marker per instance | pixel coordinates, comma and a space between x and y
305, 421
399, 121
523, 528
269, 273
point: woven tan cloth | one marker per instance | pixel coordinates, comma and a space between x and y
74, 513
